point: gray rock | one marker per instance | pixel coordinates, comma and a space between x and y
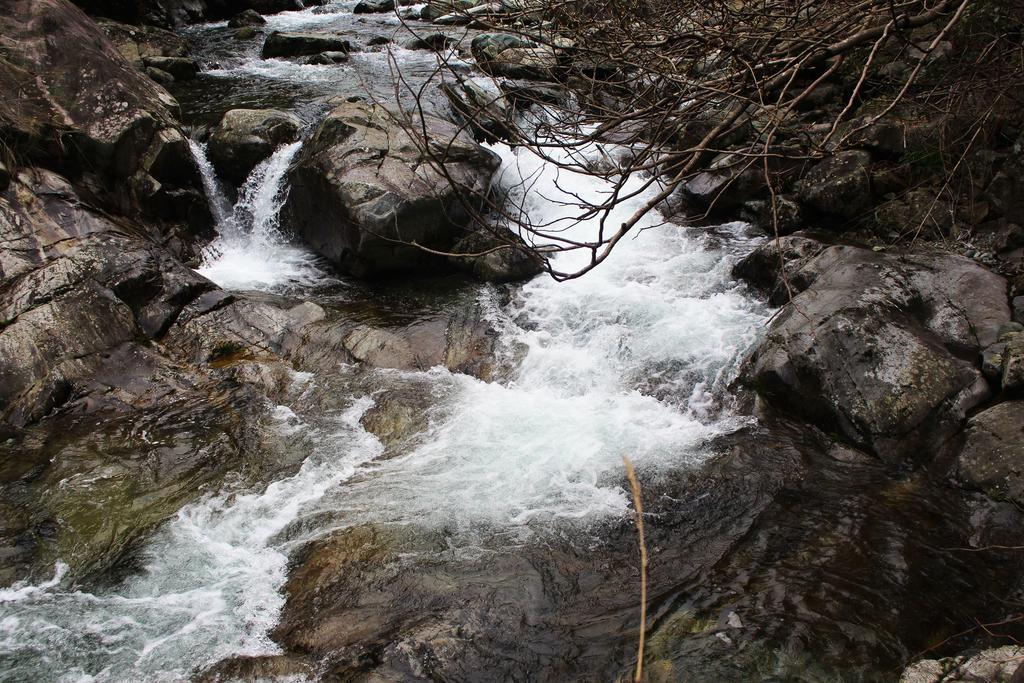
1018, 309
790, 256
874, 348
1013, 363
159, 76
439, 8
839, 186
374, 6
182, 68
249, 17
245, 137
786, 218
279, 44
501, 54
501, 258
136, 43
166, 14
992, 458
1009, 330
992, 363
486, 113
364, 196
90, 109
430, 41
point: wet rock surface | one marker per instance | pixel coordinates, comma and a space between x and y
292, 44
245, 137
991, 666
364, 194
882, 348
755, 534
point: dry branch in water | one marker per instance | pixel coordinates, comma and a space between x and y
638, 508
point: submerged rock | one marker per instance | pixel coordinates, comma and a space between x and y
364, 194
875, 347
328, 58
245, 137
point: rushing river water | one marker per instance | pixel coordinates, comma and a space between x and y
630, 361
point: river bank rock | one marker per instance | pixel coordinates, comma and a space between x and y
91, 116
245, 137
281, 44
364, 194
839, 186
875, 347
998, 665
992, 457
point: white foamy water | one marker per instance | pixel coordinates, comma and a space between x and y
210, 588
630, 360
250, 251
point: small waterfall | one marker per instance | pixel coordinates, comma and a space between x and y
250, 251
220, 207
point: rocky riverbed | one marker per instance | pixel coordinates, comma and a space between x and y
251, 432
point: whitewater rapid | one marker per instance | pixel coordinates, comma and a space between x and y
631, 360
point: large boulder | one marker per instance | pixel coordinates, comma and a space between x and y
992, 458
367, 195
161, 13
245, 137
280, 44
839, 187
374, 6
880, 347
89, 114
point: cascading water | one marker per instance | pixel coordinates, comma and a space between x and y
209, 590
250, 251
630, 360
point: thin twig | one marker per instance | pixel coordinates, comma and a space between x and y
638, 507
